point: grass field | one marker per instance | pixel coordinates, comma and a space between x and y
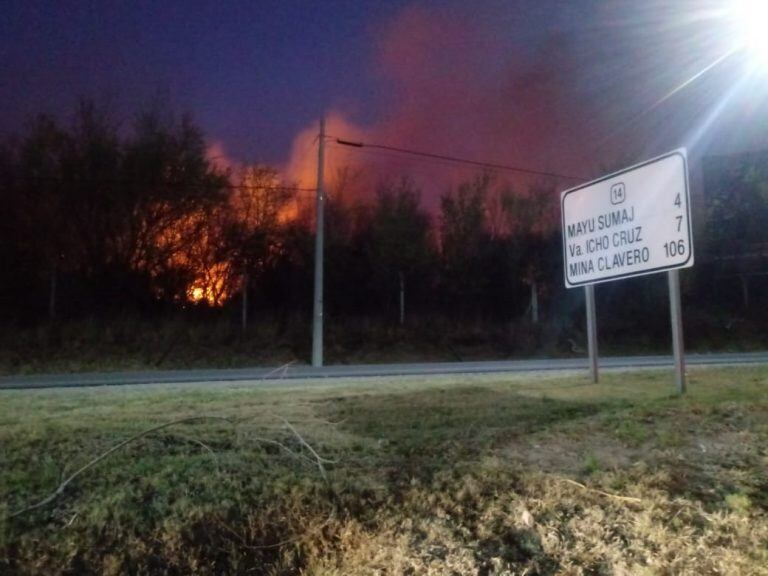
525, 474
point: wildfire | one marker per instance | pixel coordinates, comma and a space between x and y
190, 244
204, 243
196, 293
212, 286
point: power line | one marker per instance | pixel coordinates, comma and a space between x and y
456, 159
383, 154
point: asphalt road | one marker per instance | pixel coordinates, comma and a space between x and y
297, 371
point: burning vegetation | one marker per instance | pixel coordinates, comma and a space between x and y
101, 219
151, 214
137, 215
220, 247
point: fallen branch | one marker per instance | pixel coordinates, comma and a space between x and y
319, 460
282, 446
56, 493
601, 492
208, 449
283, 370
316, 460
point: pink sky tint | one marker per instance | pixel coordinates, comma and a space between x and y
455, 87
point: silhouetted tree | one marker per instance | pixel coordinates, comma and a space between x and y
399, 246
258, 210
735, 242
171, 198
531, 223
464, 242
38, 227
347, 267
115, 213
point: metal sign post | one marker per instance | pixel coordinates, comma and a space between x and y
676, 315
632, 222
589, 294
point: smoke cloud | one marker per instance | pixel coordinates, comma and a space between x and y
453, 85
585, 94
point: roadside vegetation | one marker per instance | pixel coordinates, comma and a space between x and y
213, 339
127, 245
533, 474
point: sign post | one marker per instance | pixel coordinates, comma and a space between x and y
633, 222
676, 316
589, 295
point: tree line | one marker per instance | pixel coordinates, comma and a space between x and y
104, 217
101, 217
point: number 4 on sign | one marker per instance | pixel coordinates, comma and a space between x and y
678, 202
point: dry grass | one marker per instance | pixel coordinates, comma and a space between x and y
485, 475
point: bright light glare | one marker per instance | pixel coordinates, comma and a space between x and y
752, 20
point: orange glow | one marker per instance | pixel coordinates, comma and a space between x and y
301, 167
211, 286
288, 213
263, 201
258, 204
190, 244
195, 293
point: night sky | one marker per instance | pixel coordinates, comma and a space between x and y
574, 86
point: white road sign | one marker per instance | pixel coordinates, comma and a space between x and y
636, 221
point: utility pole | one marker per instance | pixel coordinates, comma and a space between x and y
317, 316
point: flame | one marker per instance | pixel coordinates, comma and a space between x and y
260, 202
460, 108
196, 293
188, 244
211, 285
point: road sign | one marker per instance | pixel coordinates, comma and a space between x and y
636, 221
